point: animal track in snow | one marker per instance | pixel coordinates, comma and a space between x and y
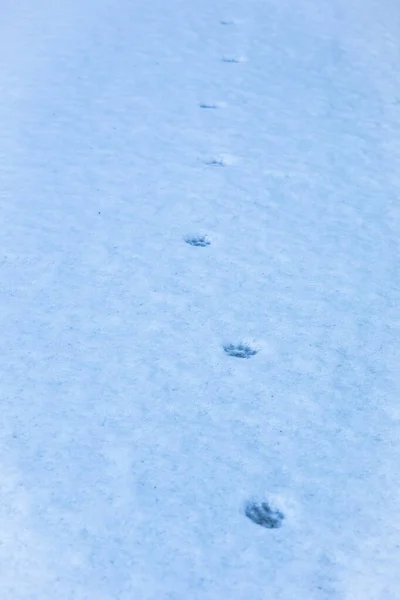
262, 514
232, 59
207, 105
197, 240
240, 350
215, 162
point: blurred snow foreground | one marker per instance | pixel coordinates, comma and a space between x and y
200, 217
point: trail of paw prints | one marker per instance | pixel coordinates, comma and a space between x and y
230, 59
240, 350
261, 513
200, 241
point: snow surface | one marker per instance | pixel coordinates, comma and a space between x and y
131, 441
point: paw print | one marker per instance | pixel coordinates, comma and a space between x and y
262, 514
240, 350
198, 240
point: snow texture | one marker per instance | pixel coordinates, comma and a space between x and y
131, 440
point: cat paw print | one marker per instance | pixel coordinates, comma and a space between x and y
234, 60
215, 162
201, 241
264, 515
208, 105
240, 350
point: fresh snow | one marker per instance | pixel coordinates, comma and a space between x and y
200, 330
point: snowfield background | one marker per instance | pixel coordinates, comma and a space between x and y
200, 307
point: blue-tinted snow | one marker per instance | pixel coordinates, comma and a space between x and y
130, 441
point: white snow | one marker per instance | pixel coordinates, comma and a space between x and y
130, 440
